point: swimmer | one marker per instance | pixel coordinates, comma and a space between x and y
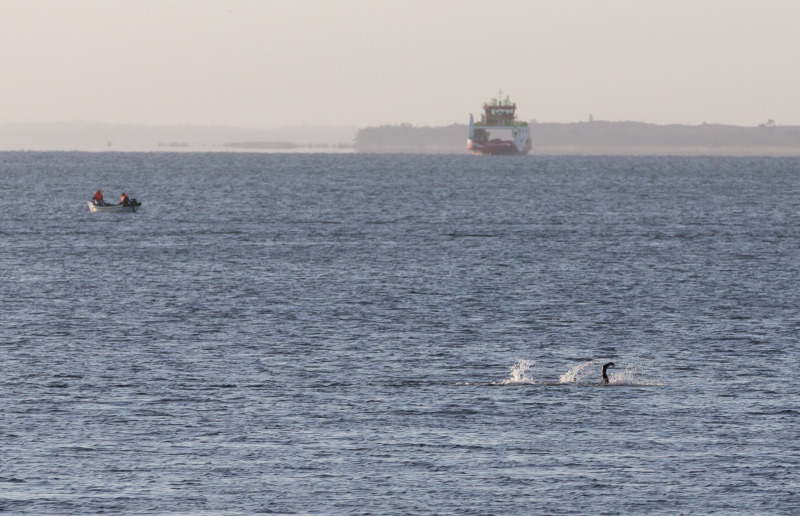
605, 376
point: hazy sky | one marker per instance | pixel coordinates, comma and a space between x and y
269, 63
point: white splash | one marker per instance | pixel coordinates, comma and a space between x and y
629, 373
579, 373
519, 373
634, 373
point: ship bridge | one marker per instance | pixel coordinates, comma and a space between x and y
499, 112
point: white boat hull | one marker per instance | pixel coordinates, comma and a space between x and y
112, 208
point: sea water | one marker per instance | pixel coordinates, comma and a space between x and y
399, 334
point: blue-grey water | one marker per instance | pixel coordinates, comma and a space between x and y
389, 334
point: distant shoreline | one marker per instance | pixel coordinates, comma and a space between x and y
98, 137
599, 138
579, 138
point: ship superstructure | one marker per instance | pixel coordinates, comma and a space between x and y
498, 132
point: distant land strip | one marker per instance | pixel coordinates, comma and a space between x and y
579, 138
283, 145
598, 138
101, 137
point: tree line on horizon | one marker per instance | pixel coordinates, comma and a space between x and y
596, 137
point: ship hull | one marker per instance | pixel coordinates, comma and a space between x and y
499, 147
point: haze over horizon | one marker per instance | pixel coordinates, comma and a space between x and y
249, 63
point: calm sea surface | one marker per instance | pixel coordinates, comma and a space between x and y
389, 334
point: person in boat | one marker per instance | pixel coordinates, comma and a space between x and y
605, 375
127, 201
98, 198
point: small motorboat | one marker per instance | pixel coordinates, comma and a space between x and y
113, 208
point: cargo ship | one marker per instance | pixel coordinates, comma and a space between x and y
498, 132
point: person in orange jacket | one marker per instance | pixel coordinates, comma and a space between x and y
98, 198
127, 201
